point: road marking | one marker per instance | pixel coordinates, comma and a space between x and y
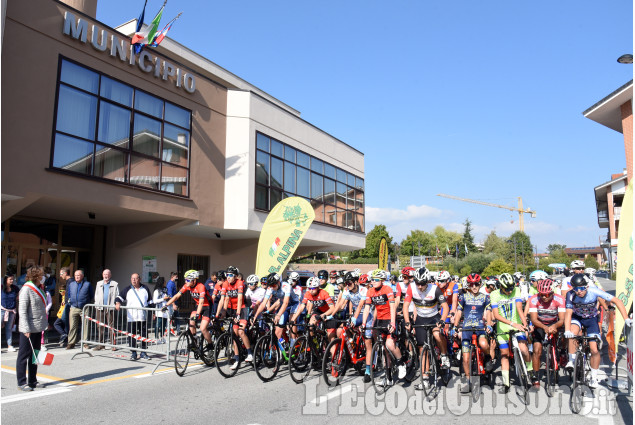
34, 394
164, 371
332, 394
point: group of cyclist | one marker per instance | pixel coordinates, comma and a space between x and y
487, 308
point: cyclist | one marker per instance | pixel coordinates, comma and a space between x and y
507, 309
382, 298
319, 302
578, 267
203, 303
581, 313
430, 307
218, 286
476, 308
255, 293
490, 285
323, 277
279, 296
233, 304
294, 279
451, 292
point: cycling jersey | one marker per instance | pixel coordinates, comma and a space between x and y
197, 292
381, 298
217, 291
547, 312
401, 290
355, 298
586, 307
426, 302
284, 290
473, 308
232, 291
298, 290
451, 289
506, 305
322, 301
255, 296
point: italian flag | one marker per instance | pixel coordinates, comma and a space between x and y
274, 246
43, 358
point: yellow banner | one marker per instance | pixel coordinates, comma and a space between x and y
624, 280
284, 228
383, 254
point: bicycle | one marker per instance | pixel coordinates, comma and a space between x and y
551, 347
307, 352
520, 367
581, 372
224, 351
431, 361
408, 348
350, 349
187, 344
382, 375
476, 361
269, 352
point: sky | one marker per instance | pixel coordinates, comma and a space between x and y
481, 100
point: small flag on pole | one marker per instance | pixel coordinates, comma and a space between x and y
447, 248
43, 358
466, 251
438, 252
141, 38
161, 34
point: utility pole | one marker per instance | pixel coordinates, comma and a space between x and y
515, 257
522, 250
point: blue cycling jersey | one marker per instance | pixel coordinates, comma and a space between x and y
586, 307
284, 290
473, 308
355, 297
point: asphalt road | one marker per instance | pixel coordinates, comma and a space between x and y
110, 388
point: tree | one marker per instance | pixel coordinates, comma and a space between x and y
468, 239
552, 247
465, 270
372, 241
477, 262
445, 239
494, 245
410, 245
520, 250
591, 261
498, 266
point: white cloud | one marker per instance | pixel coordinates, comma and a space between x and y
395, 215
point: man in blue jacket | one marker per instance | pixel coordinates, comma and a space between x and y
79, 293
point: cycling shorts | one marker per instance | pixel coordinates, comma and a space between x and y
538, 335
206, 313
503, 340
383, 324
369, 324
466, 338
244, 315
589, 324
421, 334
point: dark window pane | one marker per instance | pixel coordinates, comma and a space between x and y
303, 182
289, 177
116, 91
276, 196
174, 179
276, 172
276, 148
76, 113
262, 168
359, 183
341, 176
317, 165
110, 164
341, 196
33, 232
147, 135
73, 154
289, 154
329, 191
329, 170
316, 186
144, 172
262, 142
303, 159
262, 198
149, 104
79, 77
176, 142
77, 237
114, 125
177, 115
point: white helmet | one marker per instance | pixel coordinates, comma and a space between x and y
252, 279
537, 275
422, 275
191, 274
443, 275
577, 264
590, 271
357, 273
313, 283
294, 276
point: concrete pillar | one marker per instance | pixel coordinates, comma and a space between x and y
627, 130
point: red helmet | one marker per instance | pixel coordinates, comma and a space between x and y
333, 273
545, 286
363, 278
473, 279
408, 272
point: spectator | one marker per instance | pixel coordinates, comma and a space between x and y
171, 289
134, 296
50, 282
79, 293
159, 298
61, 323
32, 312
9, 303
106, 292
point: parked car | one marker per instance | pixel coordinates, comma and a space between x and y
304, 276
602, 273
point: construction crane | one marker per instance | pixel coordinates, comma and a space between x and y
519, 210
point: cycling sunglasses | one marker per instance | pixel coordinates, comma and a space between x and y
188, 280
377, 280
229, 275
580, 288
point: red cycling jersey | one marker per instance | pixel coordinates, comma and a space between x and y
197, 292
547, 312
322, 301
381, 299
232, 291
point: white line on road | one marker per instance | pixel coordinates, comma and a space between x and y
332, 394
34, 394
166, 371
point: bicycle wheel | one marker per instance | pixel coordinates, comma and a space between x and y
182, 353
267, 358
551, 374
578, 384
334, 363
380, 373
410, 355
224, 356
428, 383
475, 378
300, 359
522, 389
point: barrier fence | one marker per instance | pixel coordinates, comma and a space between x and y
128, 329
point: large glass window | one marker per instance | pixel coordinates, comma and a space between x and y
337, 196
110, 130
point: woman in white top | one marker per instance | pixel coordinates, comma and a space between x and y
159, 298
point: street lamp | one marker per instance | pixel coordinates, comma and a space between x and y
625, 59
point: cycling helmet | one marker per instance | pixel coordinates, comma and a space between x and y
294, 276
231, 269
377, 274
323, 274
545, 286
579, 280
349, 277
443, 276
473, 279
400, 278
252, 279
191, 274
537, 275
590, 271
356, 272
493, 281
421, 275
455, 278
313, 283
273, 279
506, 281
518, 275
263, 281
463, 283
363, 279
221, 275
408, 272
577, 264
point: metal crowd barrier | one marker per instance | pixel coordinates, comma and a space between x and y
109, 328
